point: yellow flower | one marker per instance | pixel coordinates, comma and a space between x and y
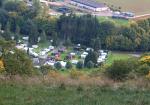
1, 66
145, 59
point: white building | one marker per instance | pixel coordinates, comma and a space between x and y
91, 5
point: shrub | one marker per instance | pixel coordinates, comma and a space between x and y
58, 65
90, 64
80, 65
143, 69
45, 69
119, 70
145, 60
18, 62
69, 65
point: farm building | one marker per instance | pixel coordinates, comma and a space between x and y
91, 5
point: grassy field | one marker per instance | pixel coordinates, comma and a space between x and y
19, 94
139, 7
117, 21
117, 56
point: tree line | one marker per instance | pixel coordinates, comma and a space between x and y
17, 20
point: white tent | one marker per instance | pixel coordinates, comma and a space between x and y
63, 64
35, 46
72, 54
74, 61
83, 56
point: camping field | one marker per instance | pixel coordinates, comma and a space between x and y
139, 7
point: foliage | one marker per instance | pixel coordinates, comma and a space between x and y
145, 60
17, 62
143, 69
69, 65
43, 37
80, 65
45, 69
90, 64
119, 70
92, 56
58, 65
71, 29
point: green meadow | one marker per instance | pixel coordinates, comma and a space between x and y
19, 94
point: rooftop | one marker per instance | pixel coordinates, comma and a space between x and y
90, 3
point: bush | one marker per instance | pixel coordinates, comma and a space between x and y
45, 69
58, 65
119, 70
90, 64
80, 65
143, 69
18, 62
69, 65
145, 60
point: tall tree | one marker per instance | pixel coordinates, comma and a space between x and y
92, 57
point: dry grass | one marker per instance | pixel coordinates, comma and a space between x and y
55, 79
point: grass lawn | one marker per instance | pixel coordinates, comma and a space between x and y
117, 21
139, 7
19, 94
112, 56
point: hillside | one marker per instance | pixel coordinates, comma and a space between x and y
20, 93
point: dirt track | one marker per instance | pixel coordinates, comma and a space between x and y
140, 17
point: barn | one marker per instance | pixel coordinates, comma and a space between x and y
91, 5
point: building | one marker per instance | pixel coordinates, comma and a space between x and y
91, 5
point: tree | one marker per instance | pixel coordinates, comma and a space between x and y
68, 43
17, 62
6, 46
69, 65
80, 65
43, 37
97, 44
17, 33
10, 6
58, 65
90, 64
37, 7
1, 3
33, 34
7, 33
92, 56
3, 17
